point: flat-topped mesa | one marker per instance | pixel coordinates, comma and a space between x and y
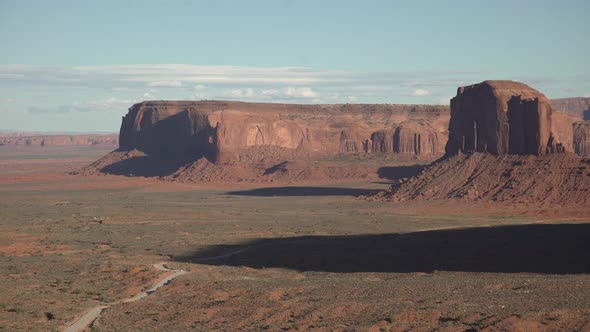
502, 117
224, 131
582, 138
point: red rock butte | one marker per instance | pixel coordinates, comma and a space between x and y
503, 117
505, 144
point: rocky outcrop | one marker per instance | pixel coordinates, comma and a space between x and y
14, 139
557, 178
174, 130
411, 138
419, 138
582, 138
382, 141
501, 117
562, 129
353, 141
529, 126
226, 132
512, 144
574, 107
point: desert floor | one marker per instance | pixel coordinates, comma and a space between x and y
281, 257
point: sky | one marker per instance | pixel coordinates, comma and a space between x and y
79, 65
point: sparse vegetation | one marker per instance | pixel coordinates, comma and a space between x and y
57, 262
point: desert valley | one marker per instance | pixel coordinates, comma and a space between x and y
281, 165
304, 217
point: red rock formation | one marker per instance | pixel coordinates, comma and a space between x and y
382, 141
560, 178
175, 130
582, 138
353, 141
574, 107
501, 117
418, 138
516, 123
562, 129
529, 123
236, 131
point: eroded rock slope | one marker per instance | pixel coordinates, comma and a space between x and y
505, 144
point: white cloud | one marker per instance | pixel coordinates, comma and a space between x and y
63, 85
11, 76
420, 93
289, 92
166, 84
120, 89
148, 96
293, 94
239, 93
198, 96
103, 105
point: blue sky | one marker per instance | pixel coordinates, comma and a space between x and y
79, 65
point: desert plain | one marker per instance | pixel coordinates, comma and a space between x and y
278, 256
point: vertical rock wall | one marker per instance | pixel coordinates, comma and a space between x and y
582, 138
501, 117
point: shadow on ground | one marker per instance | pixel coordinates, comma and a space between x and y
548, 248
396, 173
304, 191
393, 173
146, 166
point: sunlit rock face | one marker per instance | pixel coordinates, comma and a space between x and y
502, 117
236, 131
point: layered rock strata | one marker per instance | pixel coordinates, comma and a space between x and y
502, 117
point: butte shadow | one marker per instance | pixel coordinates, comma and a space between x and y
396, 173
392, 173
145, 166
304, 191
533, 248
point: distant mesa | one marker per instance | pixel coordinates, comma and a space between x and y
49, 140
232, 131
225, 140
574, 107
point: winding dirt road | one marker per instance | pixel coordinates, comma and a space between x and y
89, 317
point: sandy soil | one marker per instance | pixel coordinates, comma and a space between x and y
310, 256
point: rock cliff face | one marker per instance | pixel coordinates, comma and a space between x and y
582, 138
501, 117
525, 137
236, 131
170, 130
562, 129
574, 107
413, 137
